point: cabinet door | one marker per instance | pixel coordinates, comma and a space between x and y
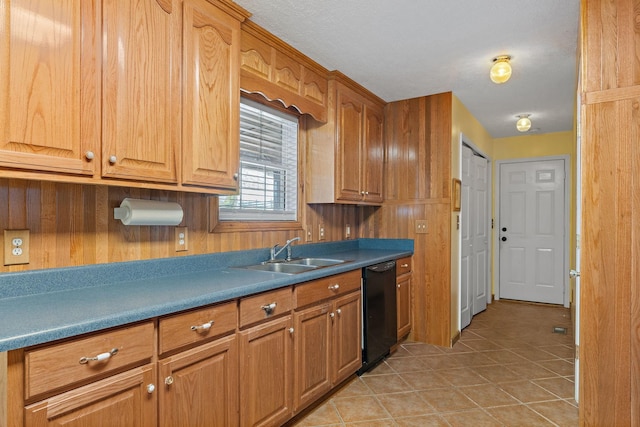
403, 302
372, 155
211, 107
49, 114
199, 387
126, 399
349, 132
312, 354
266, 373
141, 89
347, 341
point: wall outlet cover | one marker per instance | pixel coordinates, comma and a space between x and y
16, 247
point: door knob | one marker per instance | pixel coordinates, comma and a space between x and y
504, 239
573, 274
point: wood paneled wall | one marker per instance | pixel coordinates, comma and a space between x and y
417, 187
72, 224
610, 264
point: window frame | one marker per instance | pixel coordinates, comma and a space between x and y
216, 225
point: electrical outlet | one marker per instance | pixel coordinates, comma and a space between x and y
309, 237
321, 232
182, 239
347, 231
421, 226
16, 247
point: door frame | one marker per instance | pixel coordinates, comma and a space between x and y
567, 199
464, 140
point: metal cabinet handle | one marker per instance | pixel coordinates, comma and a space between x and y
332, 315
235, 176
151, 388
339, 312
113, 159
100, 357
168, 380
398, 285
404, 265
334, 287
203, 327
291, 331
89, 155
268, 308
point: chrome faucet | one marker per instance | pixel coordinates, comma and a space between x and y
274, 253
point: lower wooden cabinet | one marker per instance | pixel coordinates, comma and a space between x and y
328, 336
253, 362
403, 296
265, 373
125, 399
199, 387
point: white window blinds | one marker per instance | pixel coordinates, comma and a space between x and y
268, 175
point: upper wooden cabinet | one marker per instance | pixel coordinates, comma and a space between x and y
345, 156
49, 111
279, 72
140, 94
141, 89
211, 91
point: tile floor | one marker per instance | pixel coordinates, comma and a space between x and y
507, 369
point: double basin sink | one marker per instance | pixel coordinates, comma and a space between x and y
295, 266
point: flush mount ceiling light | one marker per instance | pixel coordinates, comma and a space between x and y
501, 69
524, 123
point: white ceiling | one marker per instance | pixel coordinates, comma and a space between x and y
401, 49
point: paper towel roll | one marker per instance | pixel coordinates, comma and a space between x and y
148, 212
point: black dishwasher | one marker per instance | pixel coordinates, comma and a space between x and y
379, 322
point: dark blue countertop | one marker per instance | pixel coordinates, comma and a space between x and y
46, 305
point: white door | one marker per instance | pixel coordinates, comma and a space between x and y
576, 273
474, 230
532, 231
480, 228
466, 250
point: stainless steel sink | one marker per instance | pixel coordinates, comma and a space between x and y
295, 266
316, 262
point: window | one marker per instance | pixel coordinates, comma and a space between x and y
268, 175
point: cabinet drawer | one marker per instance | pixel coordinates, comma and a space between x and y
59, 365
198, 325
265, 306
403, 266
328, 287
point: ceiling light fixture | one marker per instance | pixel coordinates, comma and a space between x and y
524, 123
501, 69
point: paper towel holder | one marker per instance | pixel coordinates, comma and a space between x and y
148, 212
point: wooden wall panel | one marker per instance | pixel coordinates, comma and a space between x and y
72, 224
610, 257
417, 187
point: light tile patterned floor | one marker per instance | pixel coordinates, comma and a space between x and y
508, 369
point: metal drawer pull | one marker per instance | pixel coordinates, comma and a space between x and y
334, 287
168, 380
268, 308
100, 357
404, 265
203, 327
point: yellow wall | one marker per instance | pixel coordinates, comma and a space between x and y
462, 123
